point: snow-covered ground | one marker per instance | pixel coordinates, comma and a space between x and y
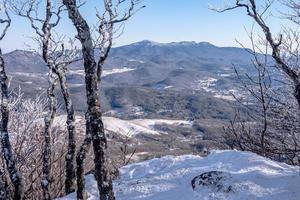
137, 126
104, 72
129, 128
249, 176
206, 84
225, 97
135, 60
35, 75
77, 72
116, 71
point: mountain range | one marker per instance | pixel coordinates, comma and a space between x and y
180, 80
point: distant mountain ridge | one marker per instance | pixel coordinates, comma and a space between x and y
187, 47
171, 80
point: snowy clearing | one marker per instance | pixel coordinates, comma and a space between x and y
138, 126
116, 71
168, 87
225, 75
104, 72
206, 84
129, 128
135, 60
34, 75
77, 72
250, 177
225, 97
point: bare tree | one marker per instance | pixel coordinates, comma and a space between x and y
279, 54
3, 186
62, 59
281, 141
125, 150
126, 154
271, 128
252, 133
93, 68
44, 33
5, 141
26, 129
57, 59
285, 48
259, 88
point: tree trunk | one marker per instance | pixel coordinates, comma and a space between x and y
94, 124
3, 195
47, 135
81, 195
70, 157
297, 93
6, 146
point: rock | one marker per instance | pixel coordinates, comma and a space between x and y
214, 180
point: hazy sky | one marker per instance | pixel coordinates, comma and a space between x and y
160, 21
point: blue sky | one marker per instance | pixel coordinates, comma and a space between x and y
160, 21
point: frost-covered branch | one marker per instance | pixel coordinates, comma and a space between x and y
93, 68
57, 59
257, 14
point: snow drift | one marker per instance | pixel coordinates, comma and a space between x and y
226, 175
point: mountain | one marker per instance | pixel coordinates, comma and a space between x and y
24, 62
202, 52
184, 80
223, 175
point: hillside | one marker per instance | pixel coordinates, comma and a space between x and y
182, 80
223, 175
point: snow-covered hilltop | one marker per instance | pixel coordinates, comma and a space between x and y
223, 175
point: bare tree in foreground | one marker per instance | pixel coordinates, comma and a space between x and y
26, 129
285, 58
259, 88
57, 59
44, 33
282, 138
93, 68
5, 141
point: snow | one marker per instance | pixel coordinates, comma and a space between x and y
148, 43
230, 94
27, 82
60, 120
77, 72
168, 87
150, 123
116, 71
131, 128
137, 110
183, 43
206, 84
251, 177
125, 127
135, 60
225, 97
34, 75
104, 72
76, 84
225, 75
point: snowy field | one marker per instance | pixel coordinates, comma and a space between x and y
105, 72
246, 176
130, 128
